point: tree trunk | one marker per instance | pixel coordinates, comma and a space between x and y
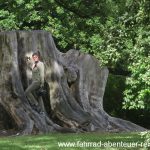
74, 82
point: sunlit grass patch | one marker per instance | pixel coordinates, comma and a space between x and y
76, 141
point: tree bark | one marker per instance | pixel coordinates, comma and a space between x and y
75, 85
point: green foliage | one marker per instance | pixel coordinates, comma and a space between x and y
137, 94
116, 32
8, 20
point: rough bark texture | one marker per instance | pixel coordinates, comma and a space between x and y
74, 81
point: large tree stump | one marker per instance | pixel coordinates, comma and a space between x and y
74, 81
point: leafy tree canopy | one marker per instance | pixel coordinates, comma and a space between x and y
116, 32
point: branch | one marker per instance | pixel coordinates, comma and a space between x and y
72, 9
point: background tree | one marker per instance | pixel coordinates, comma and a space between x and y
114, 31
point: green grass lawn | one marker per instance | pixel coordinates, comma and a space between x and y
91, 141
